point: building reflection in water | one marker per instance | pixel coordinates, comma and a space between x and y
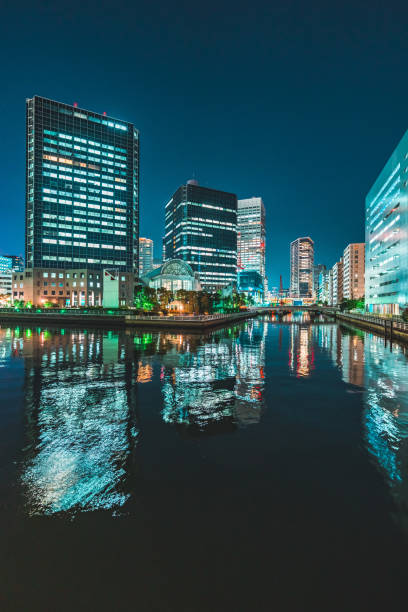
218, 385
82, 428
380, 371
79, 426
301, 348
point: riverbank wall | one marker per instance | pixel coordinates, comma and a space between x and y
389, 328
197, 323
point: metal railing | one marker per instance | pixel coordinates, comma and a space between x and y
212, 317
62, 312
376, 320
118, 313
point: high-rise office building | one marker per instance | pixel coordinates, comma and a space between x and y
82, 189
145, 255
386, 230
353, 271
251, 235
317, 270
337, 287
201, 229
301, 267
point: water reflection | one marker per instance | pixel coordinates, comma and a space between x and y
79, 427
220, 384
301, 352
381, 373
82, 410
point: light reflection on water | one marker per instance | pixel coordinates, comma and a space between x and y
82, 423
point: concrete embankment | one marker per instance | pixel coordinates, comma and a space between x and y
389, 328
185, 323
200, 323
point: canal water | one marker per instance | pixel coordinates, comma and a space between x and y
261, 467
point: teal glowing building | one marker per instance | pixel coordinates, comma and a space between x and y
386, 231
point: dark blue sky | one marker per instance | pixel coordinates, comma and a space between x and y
298, 102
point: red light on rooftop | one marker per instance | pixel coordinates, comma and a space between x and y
104, 113
75, 104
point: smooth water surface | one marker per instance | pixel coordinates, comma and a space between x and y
262, 467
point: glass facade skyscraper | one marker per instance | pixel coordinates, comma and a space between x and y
317, 271
145, 255
301, 267
386, 263
251, 235
82, 189
201, 229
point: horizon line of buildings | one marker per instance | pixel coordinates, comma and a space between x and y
82, 218
310, 282
82, 214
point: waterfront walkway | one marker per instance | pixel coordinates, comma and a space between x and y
62, 317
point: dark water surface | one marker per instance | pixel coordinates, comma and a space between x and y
262, 467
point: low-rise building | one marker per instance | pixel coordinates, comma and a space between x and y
118, 288
6, 271
251, 283
71, 288
174, 274
58, 286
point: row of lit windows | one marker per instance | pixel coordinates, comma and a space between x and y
78, 220
88, 173
88, 157
82, 115
84, 204
84, 244
84, 141
78, 147
384, 186
84, 180
209, 250
63, 259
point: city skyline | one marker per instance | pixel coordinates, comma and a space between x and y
307, 115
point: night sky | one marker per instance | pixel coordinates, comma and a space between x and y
298, 102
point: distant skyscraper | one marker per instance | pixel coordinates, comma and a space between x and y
323, 289
6, 271
82, 202
145, 255
337, 288
353, 271
251, 235
17, 262
317, 270
201, 229
386, 258
301, 267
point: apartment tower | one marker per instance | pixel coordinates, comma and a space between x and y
301, 267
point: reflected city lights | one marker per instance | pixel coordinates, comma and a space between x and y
81, 416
